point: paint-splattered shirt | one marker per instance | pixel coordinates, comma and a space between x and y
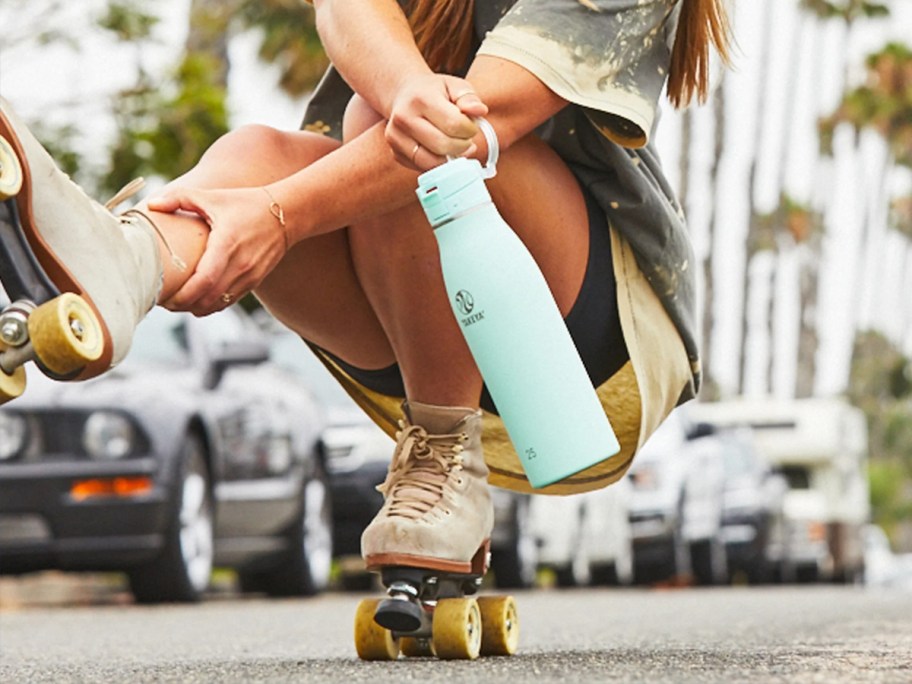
609, 59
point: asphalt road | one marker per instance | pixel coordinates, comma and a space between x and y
796, 634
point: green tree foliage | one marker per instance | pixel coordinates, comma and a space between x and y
289, 39
128, 22
883, 103
881, 385
165, 124
846, 10
163, 131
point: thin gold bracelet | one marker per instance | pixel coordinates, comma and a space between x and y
276, 210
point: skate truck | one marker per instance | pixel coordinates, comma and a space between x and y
58, 331
430, 612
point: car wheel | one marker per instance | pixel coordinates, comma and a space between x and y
674, 567
709, 562
515, 563
304, 568
617, 573
576, 573
181, 572
807, 573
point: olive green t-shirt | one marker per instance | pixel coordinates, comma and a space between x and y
609, 59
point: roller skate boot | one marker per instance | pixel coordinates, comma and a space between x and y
430, 544
79, 278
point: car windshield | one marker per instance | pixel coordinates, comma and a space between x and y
161, 339
737, 461
290, 352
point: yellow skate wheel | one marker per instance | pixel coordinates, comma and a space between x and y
456, 629
372, 641
10, 171
65, 334
500, 625
416, 648
12, 386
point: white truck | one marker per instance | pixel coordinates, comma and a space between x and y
820, 446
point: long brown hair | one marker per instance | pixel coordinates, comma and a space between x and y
443, 31
703, 23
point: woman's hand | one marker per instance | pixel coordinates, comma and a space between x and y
432, 119
246, 240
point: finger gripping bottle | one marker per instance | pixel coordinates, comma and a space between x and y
513, 326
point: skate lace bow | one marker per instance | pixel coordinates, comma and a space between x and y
420, 469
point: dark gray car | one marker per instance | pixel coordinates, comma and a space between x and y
195, 451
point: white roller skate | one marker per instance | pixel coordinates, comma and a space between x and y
430, 543
80, 278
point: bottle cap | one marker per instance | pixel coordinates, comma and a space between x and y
451, 189
458, 185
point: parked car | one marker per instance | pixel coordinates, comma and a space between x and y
820, 446
357, 451
753, 522
884, 567
194, 452
676, 506
585, 538
358, 455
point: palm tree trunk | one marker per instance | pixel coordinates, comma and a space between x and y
708, 262
209, 33
752, 224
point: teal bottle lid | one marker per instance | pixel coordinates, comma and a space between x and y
457, 186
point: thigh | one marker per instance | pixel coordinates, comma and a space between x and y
541, 199
567, 233
314, 290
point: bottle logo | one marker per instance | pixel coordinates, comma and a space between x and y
465, 305
465, 302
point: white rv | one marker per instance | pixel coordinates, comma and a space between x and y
820, 446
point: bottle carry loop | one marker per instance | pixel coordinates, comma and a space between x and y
489, 170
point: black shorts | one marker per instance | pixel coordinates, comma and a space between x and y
593, 320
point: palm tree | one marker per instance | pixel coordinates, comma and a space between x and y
289, 39
754, 241
164, 128
883, 104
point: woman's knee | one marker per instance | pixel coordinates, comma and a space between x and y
258, 154
246, 140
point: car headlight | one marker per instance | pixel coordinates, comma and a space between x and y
108, 436
13, 432
280, 454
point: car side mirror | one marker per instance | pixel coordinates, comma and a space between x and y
701, 429
235, 353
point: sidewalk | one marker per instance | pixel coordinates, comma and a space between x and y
52, 588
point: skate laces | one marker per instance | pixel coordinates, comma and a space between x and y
420, 469
125, 193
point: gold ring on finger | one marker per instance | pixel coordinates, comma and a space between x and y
227, 297
415, 152
463, 94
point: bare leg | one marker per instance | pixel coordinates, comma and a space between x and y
373, 294
314, 289
397, 263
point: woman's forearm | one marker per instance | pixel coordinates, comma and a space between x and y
371, 45
359, 180
362, 178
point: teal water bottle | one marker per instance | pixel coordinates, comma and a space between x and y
513, 326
